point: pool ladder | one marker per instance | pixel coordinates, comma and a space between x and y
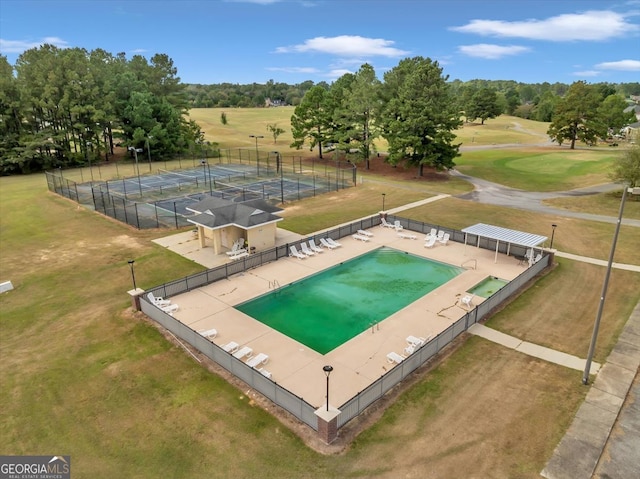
275, 285
475, 263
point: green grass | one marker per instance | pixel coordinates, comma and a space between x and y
539, 169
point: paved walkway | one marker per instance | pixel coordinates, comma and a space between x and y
525, 347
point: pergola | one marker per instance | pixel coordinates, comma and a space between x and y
504, 235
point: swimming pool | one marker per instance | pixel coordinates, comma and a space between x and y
488, 286
327, 309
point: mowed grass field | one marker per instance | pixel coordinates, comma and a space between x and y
83, 375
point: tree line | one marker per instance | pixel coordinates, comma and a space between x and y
65, 107
416, 110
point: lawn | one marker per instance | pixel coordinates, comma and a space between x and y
83, 375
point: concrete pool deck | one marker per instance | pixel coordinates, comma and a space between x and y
363, 359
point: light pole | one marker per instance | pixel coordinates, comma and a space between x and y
86, 154
327, 370
553, 231
257, 155
596, 326
133, 276
383, 195
135, 154
146, 140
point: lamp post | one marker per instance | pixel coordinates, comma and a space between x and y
133, 276
279, 170
327, 371
383, 195
135, 154
146, 140
257, 155
553, 231
596, 326
86, 154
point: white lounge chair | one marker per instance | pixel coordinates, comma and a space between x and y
397, 225
432, 234
467, 300
244, 351
537, 258
258, 360
394, 357
365, 233
386, 224
406, 235
410, 349
440, 235
360, 238
315, 247
158, 300
431, 242
237, 247
209, 333
265, 373
305, 249
445, 239
334, 242
231, 347
170, 309
326, 244
416, 340
240, 254
295, 253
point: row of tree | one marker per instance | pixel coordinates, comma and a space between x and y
63, 107
417, 112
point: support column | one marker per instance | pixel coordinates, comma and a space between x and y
328, 423
135, 298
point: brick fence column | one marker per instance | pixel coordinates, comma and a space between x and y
135, 297
327, 423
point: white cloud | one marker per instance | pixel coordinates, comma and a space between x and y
346, 45
19, 46
622, 65
587, 73
491, 52
338, 72
594, 25
138, 51
294, 69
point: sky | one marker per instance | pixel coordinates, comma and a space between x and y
292, 41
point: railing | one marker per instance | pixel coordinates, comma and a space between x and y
475, 263
356, 405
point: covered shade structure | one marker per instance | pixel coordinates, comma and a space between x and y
504, 235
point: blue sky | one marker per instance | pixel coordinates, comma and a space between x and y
290, 41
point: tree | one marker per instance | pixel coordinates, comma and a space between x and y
361, 107
576, 116
513, 100
311, 120
418, 115
484, 105
626, 168
275, 130
612, 115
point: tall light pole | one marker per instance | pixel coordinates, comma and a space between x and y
327, 370
596, 326
257, 154
146, 140
86, 154
133, 276
553, 232
135, 154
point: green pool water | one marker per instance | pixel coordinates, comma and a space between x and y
487, 286
327, 309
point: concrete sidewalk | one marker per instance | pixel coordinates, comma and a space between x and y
525, 347
599, 262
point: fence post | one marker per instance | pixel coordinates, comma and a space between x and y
328, 423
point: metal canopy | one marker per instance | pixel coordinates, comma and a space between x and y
505, 235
